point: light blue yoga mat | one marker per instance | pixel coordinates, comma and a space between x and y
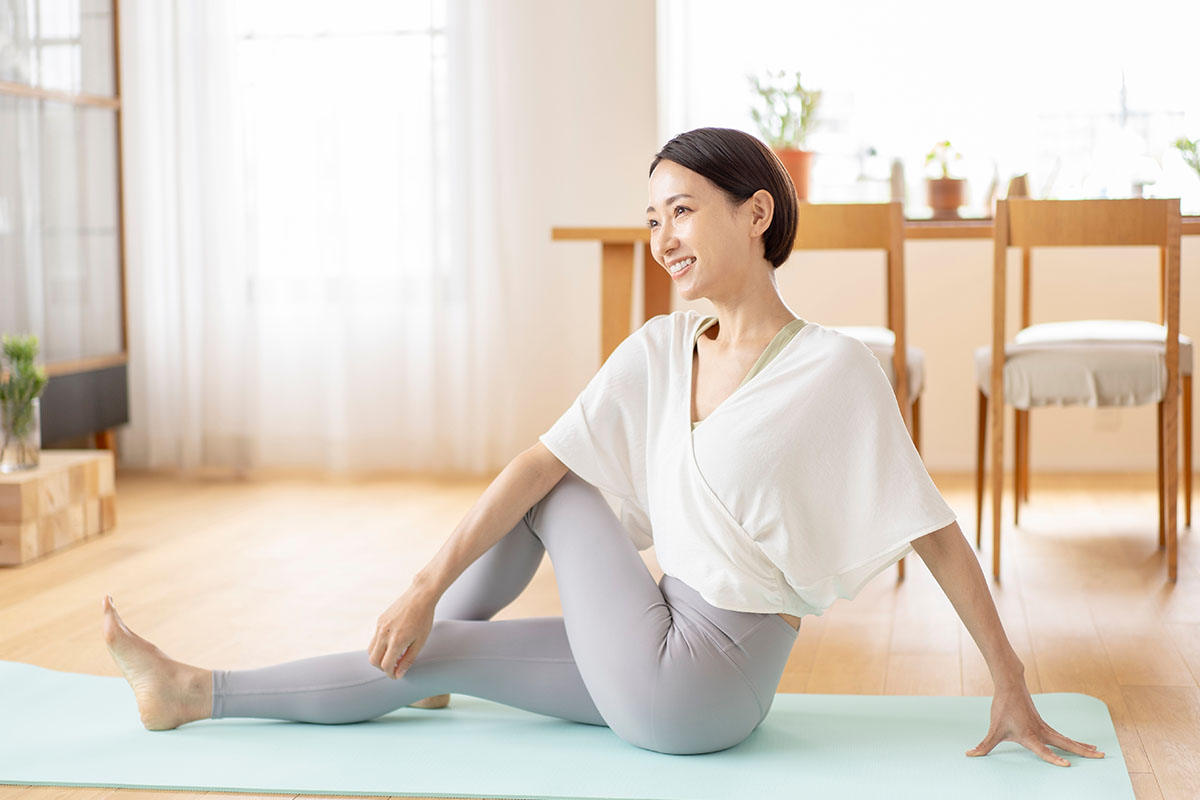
64, 729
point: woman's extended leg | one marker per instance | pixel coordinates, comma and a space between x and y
663, 668
169, 693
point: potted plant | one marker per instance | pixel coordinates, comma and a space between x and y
945, 193
21, 382
1190, 151
785, 113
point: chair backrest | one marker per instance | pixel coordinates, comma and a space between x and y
1026, 223
866, 226
1049, 223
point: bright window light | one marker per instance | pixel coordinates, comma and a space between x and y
340, 103
1085, 101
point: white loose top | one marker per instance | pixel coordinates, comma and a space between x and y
796, 490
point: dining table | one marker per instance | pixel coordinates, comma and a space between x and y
618, 245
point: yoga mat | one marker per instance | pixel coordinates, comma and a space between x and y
65, 729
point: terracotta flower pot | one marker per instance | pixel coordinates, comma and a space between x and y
945, 196
798, 164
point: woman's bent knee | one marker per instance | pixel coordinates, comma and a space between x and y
570, 495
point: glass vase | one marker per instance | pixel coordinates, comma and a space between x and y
20, 436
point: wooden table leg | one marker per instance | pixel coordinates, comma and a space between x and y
616, 301
657, 285
616, 296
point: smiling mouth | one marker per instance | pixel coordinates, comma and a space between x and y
681, 265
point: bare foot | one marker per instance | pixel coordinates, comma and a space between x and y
168, 692
437, 701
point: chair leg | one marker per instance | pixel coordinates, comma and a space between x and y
1025, 456
1162, 503
1171, 478
980, 438
997, 473
916, 422
1187, 450
1018, 461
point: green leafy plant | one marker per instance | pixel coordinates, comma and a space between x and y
942, 154
785, 112
1191, 152
21, 382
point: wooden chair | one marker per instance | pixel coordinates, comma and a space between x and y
1019, 187
874, 226
1073, 363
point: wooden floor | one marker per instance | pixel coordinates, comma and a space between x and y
238, 575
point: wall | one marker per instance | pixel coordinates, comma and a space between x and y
583, 75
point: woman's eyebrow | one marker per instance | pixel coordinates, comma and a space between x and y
670, 200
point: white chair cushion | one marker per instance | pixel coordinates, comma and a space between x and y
882, 342
1094, 363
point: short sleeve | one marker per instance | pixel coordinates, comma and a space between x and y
601, 437
866, 494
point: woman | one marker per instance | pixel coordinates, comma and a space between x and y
804, 485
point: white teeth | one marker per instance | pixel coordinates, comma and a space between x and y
682, 264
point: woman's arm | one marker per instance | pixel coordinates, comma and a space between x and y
1014, 717
527, 479
401, 630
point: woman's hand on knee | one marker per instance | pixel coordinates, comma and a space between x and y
400, 633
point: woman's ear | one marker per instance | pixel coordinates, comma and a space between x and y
762, 211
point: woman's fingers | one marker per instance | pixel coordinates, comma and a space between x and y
399, 634
983, 748
1046, 754
1071, 746
387, 660
400, 660
1040, 748
406, 659
378, 647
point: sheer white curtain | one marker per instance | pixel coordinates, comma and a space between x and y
192, 335
313, 265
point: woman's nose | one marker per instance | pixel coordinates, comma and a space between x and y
667, 238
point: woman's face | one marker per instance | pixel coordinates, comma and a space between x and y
704, 241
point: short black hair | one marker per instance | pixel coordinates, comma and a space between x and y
739, 165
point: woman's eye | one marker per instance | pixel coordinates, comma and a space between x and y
651, 223
680, 208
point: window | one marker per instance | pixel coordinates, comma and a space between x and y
1084, 101
340, 103
60, 216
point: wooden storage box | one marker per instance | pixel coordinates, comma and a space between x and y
68, 498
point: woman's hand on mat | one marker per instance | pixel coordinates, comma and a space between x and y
1016, 719
401, 632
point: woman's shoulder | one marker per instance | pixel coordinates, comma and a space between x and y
674, 319
826, 354
670, 327
821, 339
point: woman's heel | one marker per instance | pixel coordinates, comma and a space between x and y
437, 701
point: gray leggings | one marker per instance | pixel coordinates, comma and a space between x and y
656, 663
